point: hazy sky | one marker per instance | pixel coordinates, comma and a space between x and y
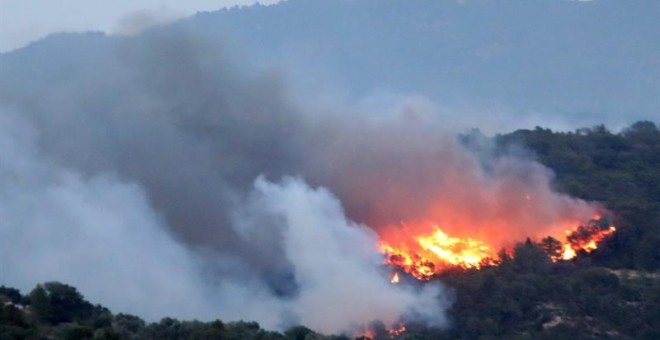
23, 21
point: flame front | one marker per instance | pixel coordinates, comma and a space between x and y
393, 332
436, 252
423, 256
467, 253
583, 238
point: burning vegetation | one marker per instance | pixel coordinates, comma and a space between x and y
425, 255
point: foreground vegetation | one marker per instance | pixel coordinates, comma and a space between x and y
611, 293
56, 310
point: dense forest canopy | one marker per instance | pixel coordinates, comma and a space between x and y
617, 169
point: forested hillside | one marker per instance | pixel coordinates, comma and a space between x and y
620, 170
613, 292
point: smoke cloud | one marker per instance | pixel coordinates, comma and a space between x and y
332, 260
101, 235
97, 232
237, 201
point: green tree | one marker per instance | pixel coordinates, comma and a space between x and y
40, 304
67, 303
297, 333
529, 258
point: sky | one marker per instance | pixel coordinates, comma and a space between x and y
24, 21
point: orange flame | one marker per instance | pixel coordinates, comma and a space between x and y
583, 238
423, 255
455, 251
393, 332
567, 253
436, 252
398, 331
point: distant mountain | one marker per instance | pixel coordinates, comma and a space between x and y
592, 60
588, 61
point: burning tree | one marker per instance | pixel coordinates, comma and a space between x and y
425, 255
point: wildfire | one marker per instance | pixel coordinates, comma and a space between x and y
395, 278
436, 252
585, 238
391, 331
455, 251
398, 331
567, 253
426, 255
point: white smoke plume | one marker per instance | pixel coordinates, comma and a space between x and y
333, 261
94, 232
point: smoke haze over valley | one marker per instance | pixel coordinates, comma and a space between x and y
242, 164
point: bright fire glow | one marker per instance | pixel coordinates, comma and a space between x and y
427, 254
398, 331
395, 278
567, 253
466, 253
393, 332
585, 238
436, 252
